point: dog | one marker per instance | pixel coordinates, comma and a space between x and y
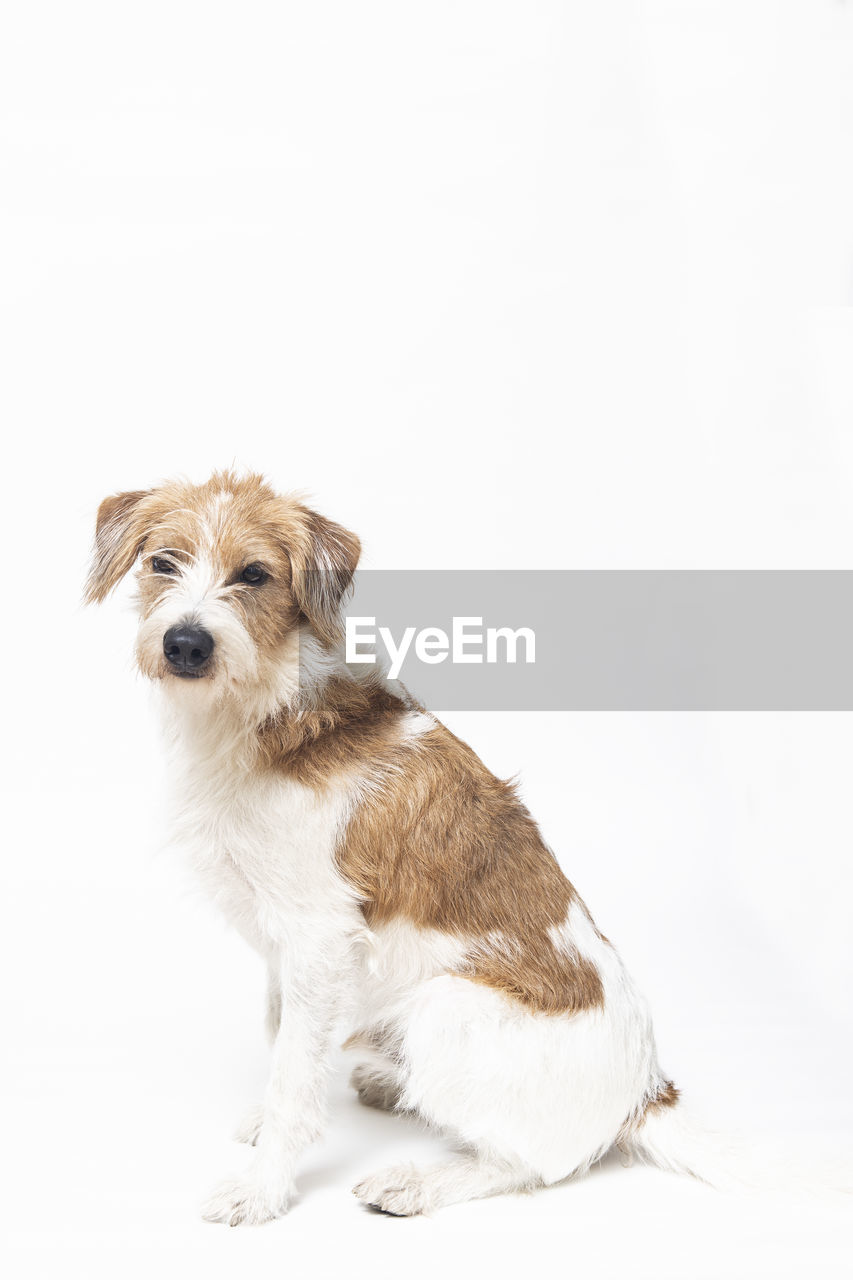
393, 885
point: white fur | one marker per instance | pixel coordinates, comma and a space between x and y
546, 1094
406, 1189
194, 594
264, 848
396, 960
417, 723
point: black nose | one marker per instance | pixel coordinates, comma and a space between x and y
187, 648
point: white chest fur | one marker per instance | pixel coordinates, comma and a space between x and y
264, 847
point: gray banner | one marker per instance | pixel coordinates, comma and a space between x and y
611, 641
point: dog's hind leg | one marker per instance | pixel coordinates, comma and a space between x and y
532, 1098
405, 1190
376, 1086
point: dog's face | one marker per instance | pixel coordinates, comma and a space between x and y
229, 573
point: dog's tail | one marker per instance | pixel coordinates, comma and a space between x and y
666, 1135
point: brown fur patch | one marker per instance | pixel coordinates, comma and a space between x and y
355, 724
666, 1096
448, 846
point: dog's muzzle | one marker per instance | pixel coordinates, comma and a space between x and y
187, 649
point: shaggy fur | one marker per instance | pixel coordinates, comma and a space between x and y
394, 887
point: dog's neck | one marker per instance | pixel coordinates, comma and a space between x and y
310, 696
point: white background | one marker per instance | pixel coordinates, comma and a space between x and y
518, 285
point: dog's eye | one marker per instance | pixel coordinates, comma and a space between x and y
253, 574
159, 565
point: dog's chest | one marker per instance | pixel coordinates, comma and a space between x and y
265, 851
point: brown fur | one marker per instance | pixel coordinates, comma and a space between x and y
666, 1096
448, 846
119, 534
356, 724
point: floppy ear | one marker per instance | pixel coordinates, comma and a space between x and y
323, 560
119, 533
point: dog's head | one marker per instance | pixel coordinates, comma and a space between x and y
230, 576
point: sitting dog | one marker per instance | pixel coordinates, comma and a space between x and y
391, 883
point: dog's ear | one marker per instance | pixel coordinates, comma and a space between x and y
323, 559
119, 533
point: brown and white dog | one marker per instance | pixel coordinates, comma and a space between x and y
389, 880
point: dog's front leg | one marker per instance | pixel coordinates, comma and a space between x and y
272, 1022
312, 981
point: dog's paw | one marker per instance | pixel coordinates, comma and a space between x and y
250, 1200
400, 1191
249, 1128
375, 1089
